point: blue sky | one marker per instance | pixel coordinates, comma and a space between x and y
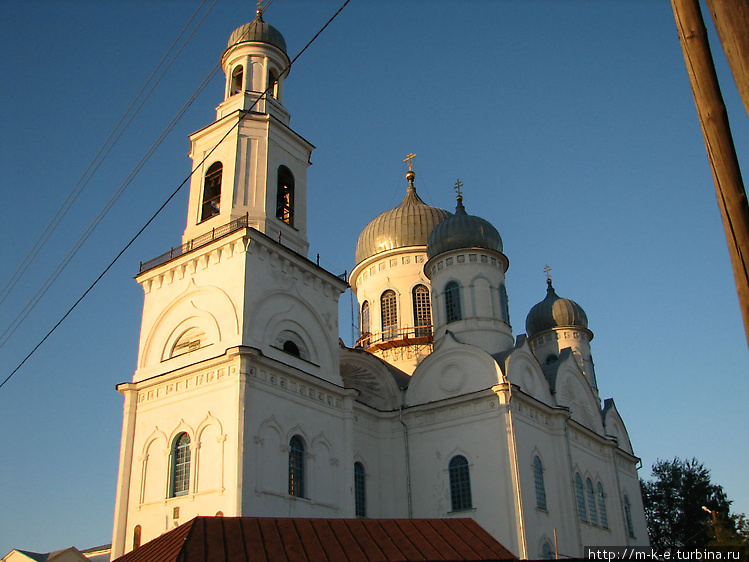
571, 125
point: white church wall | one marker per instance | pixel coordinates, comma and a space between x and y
379, 444
194, 400
204, 290
284, 293
280, 403
474, 427
539, 431
629, 486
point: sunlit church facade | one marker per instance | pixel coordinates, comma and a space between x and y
245, 401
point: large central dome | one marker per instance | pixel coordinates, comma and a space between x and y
409, 224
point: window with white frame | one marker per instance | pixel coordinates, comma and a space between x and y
296, 467
602, 507
453, 311
580, 497
460, 484
592, 511
181, 465
360, 490
538, 476
628, 517
422, 311
389, 314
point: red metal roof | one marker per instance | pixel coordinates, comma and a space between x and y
266, 539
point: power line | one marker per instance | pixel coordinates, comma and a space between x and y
101, 155
171, 196
93, 167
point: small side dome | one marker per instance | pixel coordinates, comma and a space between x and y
555, 312
409, 224
258, 31
463, 231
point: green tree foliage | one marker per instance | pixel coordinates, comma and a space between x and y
674, 502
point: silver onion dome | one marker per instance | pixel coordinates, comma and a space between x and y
463, 231
258, 31
555, 312
408, 224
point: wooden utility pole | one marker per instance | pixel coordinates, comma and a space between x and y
721, 152
731, 19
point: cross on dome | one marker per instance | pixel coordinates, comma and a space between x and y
458, 185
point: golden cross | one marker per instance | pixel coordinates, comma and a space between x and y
547, 271
408, 159
458, 185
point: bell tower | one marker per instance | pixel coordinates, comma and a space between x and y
249, 162
239, 334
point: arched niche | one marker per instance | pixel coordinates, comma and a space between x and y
204, 313
452, 369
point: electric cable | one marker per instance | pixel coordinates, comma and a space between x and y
100, 156
21, 316
171, 196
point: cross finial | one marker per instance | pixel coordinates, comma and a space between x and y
408, 159
458, 185
547, 271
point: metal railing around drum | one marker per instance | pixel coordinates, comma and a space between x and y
195, 243
396, 337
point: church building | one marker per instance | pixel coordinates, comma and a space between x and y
245, 402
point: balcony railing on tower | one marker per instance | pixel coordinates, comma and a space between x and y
195, 243
396, 337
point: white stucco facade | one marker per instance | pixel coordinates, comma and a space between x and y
244, 402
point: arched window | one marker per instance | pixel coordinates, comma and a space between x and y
236, 80
181, 465
389, 312
291, 348
136, 537
592, 511
365, 326
452, 302
538, 475
360, 490
285, 196
547, 553
602, 507
504, 303
580, 496
628, 516
212, 192
296, 467
273, 83
422, 311
460, 484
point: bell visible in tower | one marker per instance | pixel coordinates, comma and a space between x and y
249, 165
